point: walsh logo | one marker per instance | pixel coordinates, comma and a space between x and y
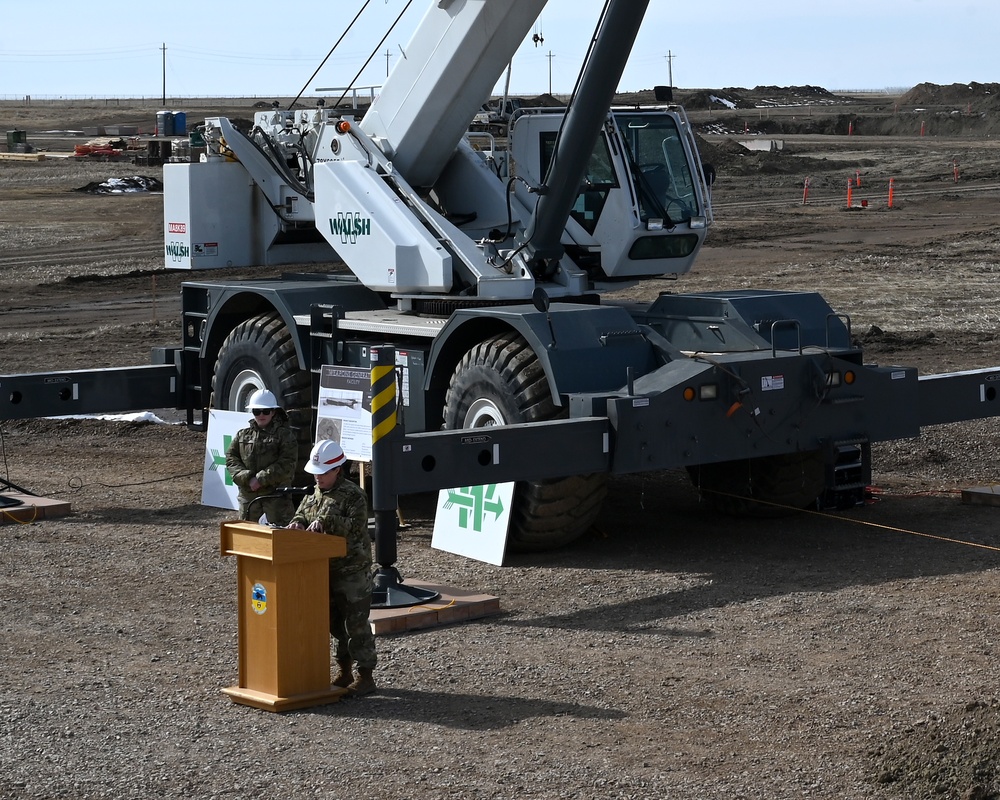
178, 251
349, 227
177, 227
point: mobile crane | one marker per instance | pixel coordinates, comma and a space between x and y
482, 268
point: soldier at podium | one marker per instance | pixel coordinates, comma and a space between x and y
339, 507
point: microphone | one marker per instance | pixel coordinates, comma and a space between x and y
280, 491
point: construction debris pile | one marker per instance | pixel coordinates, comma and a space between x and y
106, 148
130, 185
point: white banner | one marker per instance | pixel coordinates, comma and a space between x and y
472, 521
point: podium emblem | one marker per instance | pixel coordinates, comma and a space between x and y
258, 598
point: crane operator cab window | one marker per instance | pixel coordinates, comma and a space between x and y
660, 166
657, 160
599, 181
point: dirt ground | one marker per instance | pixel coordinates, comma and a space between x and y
669, 653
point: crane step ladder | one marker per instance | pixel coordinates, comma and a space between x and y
848, 474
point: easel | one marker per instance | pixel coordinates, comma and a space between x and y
364, 488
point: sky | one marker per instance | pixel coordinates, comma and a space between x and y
58, 48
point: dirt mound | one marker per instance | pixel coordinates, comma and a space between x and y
741, 98
544, 101
730, 158
895, 341
777, 96
981, 96
713, 99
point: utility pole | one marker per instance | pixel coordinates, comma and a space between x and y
670, 68
550, 70
387, 54
164, 49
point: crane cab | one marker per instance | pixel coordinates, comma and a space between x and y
645, 205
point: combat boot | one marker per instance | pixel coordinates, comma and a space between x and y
344, 677
364, 684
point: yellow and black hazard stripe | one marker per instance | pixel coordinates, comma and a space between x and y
383, 400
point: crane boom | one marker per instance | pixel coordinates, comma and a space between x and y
446, 72
567, 170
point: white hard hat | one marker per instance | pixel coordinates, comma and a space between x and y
262, 398
326, 455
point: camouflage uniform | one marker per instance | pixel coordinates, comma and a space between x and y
343, 511
271, 455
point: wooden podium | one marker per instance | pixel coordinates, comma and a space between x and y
284, 615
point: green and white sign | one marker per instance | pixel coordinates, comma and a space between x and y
472, 521
217, 487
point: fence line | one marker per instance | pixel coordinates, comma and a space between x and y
361, 90
875, 194
888, 90
206, 100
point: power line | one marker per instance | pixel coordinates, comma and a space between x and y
214, 55
193, 54
110, 51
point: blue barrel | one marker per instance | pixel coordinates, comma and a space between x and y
164, 123
180, 123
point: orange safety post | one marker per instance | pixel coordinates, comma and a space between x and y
954, 170
892, 182
849, 185
805, 191
922, 127
857, 181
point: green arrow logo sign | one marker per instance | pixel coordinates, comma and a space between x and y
474, 504
219, 459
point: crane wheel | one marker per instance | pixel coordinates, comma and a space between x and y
769, 486
259, 353
501, 381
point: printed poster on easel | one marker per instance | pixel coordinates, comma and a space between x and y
344, 411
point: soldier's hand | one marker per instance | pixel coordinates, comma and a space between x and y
298, 526
315, 526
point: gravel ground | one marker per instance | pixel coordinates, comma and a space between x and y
680, 655
669, 653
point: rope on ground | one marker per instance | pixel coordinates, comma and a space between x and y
15, 518
449, 604
879, 525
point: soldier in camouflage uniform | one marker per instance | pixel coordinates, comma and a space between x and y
339, 507
261, 458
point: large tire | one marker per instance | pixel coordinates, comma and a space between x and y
500, 381
769, 486
260, 354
